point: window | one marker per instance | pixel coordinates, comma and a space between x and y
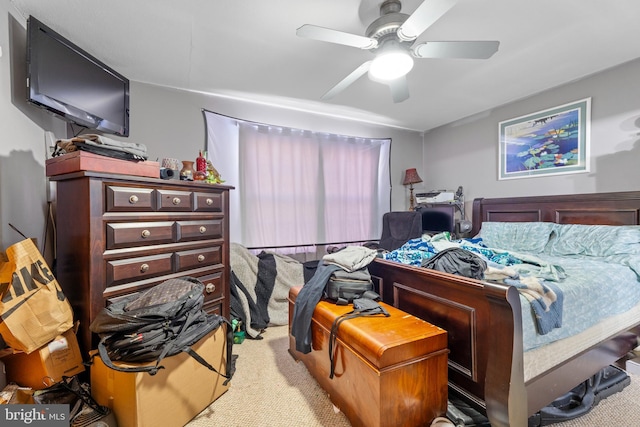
296, 188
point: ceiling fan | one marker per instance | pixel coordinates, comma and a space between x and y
391, 38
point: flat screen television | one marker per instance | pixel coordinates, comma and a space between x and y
74, 85
436, 219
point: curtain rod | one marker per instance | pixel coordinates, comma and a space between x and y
204, 110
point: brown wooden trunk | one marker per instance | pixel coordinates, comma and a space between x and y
389, 371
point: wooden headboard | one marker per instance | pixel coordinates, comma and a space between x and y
622, 208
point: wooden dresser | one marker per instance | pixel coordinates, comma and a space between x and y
120, 234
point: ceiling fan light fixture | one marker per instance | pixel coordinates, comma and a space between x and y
391, 64
391, 38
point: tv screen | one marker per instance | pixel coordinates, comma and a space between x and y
74, 85
436, 219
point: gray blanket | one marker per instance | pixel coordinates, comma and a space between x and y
259, 287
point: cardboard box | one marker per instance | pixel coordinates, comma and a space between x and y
47, 365
170, 398
85, 161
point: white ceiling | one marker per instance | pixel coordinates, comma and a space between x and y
249, 49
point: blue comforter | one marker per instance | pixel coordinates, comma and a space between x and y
594, 289
560, 295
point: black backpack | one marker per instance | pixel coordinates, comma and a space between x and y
163, 321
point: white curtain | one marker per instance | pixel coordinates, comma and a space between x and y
297, 188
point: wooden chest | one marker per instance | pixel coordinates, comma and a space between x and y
389, 371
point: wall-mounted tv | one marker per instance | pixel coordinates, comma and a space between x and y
74, 85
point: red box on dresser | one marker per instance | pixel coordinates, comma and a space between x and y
85, 161
389, 371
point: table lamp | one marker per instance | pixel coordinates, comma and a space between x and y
411, 177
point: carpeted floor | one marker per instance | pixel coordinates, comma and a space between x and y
270, 389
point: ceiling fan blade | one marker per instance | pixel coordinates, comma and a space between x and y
457, 49
344, 83
334, 36
399, 89
423, 17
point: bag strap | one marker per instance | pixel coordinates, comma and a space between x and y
104, 355
200, 359
190, 320
372, 295
230, 368
152, 370
362, 307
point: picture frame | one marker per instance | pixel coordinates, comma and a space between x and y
549, 142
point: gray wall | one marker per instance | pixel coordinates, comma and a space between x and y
23, 187
171, 124
182, 132
466, 152
169, 121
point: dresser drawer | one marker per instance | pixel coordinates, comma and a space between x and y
174, 200
135, 269
128, 234
213, 307
208, 202
129, 199
195, 258
199, 230
213, 284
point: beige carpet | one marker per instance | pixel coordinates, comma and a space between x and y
270, 389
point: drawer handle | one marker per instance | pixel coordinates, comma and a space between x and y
144, 268
209, 202
203, 229
145, 234
210, 288
133, 199
176, 200
200, 258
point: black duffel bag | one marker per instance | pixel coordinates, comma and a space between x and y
343, 287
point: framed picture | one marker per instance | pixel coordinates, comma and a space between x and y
549, 142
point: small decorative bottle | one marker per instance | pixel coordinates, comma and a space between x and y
200, 173
201, 163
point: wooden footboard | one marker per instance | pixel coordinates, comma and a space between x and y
484, 325
484, 320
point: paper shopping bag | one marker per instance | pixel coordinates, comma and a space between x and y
33, 308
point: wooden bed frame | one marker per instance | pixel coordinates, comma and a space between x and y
484, 320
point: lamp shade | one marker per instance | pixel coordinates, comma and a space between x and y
411, 177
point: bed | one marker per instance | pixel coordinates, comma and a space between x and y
488, 363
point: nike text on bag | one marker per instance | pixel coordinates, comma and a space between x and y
33, 308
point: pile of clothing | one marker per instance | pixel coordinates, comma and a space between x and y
352, 260
259, 287
99, 144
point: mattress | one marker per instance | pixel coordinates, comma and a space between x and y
541, 359
594, 290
